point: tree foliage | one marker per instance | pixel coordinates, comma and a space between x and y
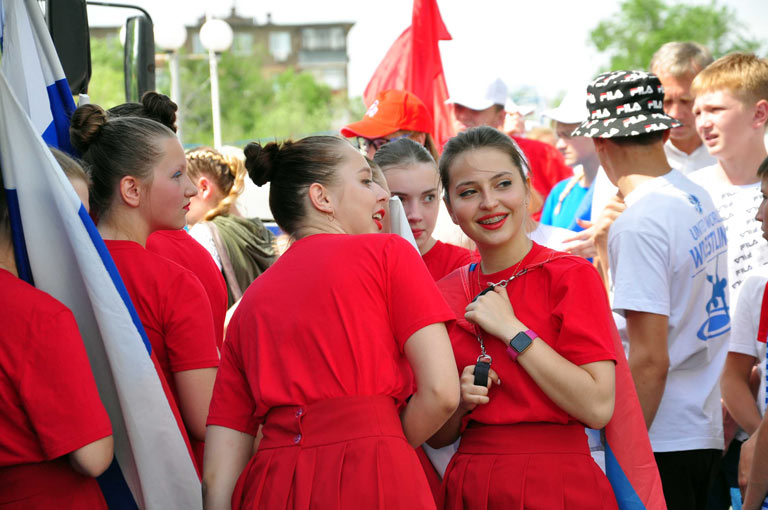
632, 36
253, 105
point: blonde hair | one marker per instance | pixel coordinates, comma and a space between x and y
227, 172
742, 74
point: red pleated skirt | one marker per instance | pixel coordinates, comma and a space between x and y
527, 466
346, 453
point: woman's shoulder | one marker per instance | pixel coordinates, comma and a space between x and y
21, 301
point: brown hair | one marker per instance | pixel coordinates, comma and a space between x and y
153, 105
480, 137
226, 171
72, 169
291, 168
742, 74
115, 148
762, 170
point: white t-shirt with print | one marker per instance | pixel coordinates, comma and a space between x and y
747, 250
668, 256
746, 319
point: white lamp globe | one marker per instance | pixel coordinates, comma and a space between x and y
216, 35
170, 36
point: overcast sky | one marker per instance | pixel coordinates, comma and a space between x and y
541, 44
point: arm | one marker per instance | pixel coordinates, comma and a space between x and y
601, 227
586, 392
430, 355
195, 388
757, 486
226, 454
737, 393
648, 358
94, 458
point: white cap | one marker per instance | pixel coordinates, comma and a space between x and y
476, 95
573, 107
511, 107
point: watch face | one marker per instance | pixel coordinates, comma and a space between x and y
520, 342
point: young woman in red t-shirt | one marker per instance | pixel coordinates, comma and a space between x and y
324, 348
412, 175
545, 327
55, 435
140, 186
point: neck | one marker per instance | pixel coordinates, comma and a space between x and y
499, 257
124, 227
633, 165
590, 171
7, 258
741, 168
687, 145
320, 225
428, 245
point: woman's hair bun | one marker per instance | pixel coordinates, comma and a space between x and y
160, 107
85, 126
261, 161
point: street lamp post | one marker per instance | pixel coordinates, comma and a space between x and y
171, 37
215, 36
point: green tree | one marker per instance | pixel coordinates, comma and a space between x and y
107, 87
632, 36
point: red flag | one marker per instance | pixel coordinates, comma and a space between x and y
413, 63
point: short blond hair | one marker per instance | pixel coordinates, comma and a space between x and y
680, 59
742, 74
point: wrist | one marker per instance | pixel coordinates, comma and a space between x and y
520, 343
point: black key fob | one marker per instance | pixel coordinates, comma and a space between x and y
481, 370
484, 291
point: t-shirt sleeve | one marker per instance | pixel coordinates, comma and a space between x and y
190, 336
639, 264
746, 318
580, 302
58, 390
413, 298
232, 404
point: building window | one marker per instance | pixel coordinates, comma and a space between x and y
197, 46
331, 38
280, 45
242, 44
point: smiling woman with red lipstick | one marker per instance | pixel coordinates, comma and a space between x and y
140, 186
539, 321
412, 176
324, 348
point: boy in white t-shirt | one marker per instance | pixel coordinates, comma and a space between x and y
747, 350
731, 110
668, 260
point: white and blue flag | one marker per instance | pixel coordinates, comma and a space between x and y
65, 256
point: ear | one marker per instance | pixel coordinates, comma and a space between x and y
204, 189
599, 144
130, 190
320, 198
449, 209
761, 113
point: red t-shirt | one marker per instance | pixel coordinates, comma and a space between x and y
547, 166
443, 258
50, 405
563, 301
180, 247
329, 319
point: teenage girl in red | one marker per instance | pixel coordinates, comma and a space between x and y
546, 329
55, 435
324, 348
177, 245
140, 186
412, 175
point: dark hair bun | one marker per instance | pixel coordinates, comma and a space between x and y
160, 108
261, 161
85, 126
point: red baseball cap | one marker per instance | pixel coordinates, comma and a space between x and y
391, 111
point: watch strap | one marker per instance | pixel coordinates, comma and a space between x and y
520, 343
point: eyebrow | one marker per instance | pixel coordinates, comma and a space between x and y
500, 174
365, 169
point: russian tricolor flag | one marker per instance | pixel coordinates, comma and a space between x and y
65, 256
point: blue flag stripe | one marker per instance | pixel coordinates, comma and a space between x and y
62, 107
17, 234
626, 496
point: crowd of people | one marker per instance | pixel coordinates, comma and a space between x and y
388, 358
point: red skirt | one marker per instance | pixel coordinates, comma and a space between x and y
525, 466
344, 453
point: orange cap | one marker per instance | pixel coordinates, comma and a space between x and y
391, 111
